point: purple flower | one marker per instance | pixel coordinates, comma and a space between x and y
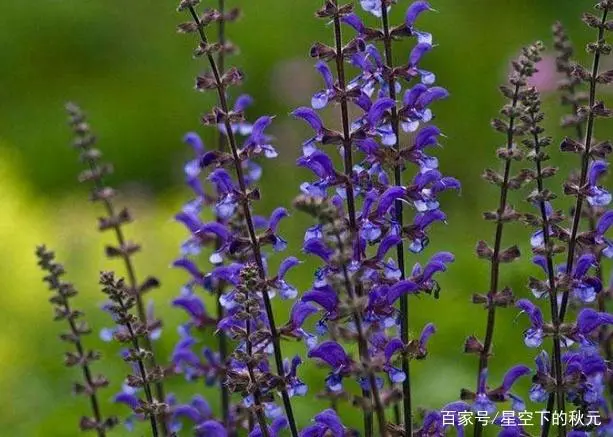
326, 423
356, 257
192, 168
414, 11
395, 374
427, 77
295, 385
436, 423
226, 203
274, 430
257, 142
286, 290
299, 313
485, 399
278, 243
326, 297
335, 356
388, 198
538, 392
372, 6
211, 428
415, 111
199, 413
605, 222
317, 247
598, 196
321, 98
314, 121
399, 289
585, 288
588, 320
533, 337
194, 306
427, 332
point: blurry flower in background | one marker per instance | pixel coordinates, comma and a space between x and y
293, 81
546, 78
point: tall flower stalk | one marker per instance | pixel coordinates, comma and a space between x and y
256, 144
583, 188
114, 221
371, 153
594, 110
523, 68
131, 331
81, 357
573, 95
221, 146
389, 34
351, 211
543, 241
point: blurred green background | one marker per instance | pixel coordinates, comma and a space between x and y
123, 62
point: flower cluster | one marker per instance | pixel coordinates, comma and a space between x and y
576, 372
360, 209
371, 215
239, 273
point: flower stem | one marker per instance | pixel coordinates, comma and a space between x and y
362, 344
255, 244
553, 295
221, 146
87, 375
404, 299
256, 395
63, 304
131, 275
572, 244
585, 161
110, 282
495, 263
348, 168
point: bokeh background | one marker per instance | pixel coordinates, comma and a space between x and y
123, 62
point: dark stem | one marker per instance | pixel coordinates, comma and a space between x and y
348, 168
221, 146
585, 161
495, 267
141, 367
221, 37
256, 395
603, 335
87, 375
572, 244
223, 358
255, 244
553, 295
404, 299
362, 344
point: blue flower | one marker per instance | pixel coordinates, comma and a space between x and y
533, 336
335, 356
326, 423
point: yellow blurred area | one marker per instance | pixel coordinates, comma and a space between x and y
31, 368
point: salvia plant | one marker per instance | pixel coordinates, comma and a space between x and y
375, 198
